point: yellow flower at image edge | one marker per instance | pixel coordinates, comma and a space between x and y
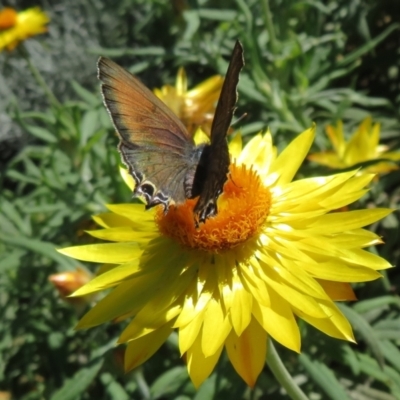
16, 27
363, 146
273, 253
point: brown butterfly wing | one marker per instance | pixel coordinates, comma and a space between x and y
215, 157
154, 144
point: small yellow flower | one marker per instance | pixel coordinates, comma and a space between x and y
16, 27
273, 253
363, 146
196, 107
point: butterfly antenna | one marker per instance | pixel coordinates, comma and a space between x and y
243, 116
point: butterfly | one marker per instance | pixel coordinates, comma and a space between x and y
160, 154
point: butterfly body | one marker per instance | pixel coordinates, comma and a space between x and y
161, 156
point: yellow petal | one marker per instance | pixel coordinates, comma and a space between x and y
240, 312
192, 307
140, 326
140, 350
365, 258
292, 295
112, 253
164, 305
336, 137
200, 137
128, 297
109, 278
289, 161
127, 177
335, 325
337, 270
345, 221
142, 219
111, 220
247, 353
252, 149
235, 146
279, 322
255, 285
216, 328
199, 366
122, 234
189, 333
338, 291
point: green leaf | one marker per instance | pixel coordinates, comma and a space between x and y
364, 306
217, 15
391, 353
114, 389
11, 261
89, 125
37, 246
77, 385
41, 133
324, 377
365, 330
207, 389
169, 382
85, 95
386, 375
368, 46
14, 215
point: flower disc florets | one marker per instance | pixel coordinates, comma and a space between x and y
243, 209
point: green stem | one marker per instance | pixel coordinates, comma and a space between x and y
270, 26
39, 78
282, 375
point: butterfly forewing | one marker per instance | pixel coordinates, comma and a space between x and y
216, 157
154, 144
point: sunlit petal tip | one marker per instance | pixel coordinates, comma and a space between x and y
127, 178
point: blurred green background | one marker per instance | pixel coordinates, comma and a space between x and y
305, 61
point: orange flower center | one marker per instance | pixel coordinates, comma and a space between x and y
8, 18
243, 208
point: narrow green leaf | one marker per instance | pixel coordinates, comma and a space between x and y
41, 133
368, 46
113, 387
324, 377
364, 306
37, 246
391, 353
85, 95
365, 330
169, 382
16, 216
214, 14
77, 385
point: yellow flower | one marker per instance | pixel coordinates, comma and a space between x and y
16, 27
273, 253
196, 107
363, 146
